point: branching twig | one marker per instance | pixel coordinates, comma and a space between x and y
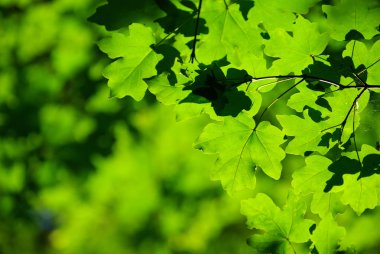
360, 85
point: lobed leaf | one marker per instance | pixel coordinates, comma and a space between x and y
307, 134
295, 52
360, 190
347, 15
284, 11
241, 148
311, 179
136, 60
327, 235
281, 228
369, 57
229, 34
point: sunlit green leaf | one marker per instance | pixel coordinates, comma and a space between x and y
296, 51
281, 228
229, 34
166, 93
135, 60
369, 57
347, 15
241, 147
264, 12
307, 134
327, 235
361, 192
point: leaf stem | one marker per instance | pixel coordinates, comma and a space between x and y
192, 56
174, 32
354, 136
278, 97
326, 81
343, 123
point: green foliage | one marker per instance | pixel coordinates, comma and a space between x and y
238, 143
225, 26
137, 61
83, 173
285, 81
366, 56
282, 228
349, 15
294, 51
326, 236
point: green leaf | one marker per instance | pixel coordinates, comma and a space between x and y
350, 15
136, 61
295, 52
307, 134
166, 92
332, 114
327, 203
340, 105
305, 97
241, 148
190, 110
361, 193
229, 34
234, 166
361, 54
312, 179
327, 235
264, 12
265, 149
281, 228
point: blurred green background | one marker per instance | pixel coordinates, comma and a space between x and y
82, 173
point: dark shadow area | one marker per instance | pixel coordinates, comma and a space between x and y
354, 35
327, 137
211, 85
325, 140
343, 66
314, 114
272, 247
371, 165
323, 103
321, 70
342, 166
338, 66
180, 21
245, 6
120, 13
170, 54
345, 165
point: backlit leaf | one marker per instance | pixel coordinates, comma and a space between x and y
327, 235
135, 60
242, 148
347, 15
281, 228
295, 52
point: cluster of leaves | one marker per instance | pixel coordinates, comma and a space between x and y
220, 57
70, 157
